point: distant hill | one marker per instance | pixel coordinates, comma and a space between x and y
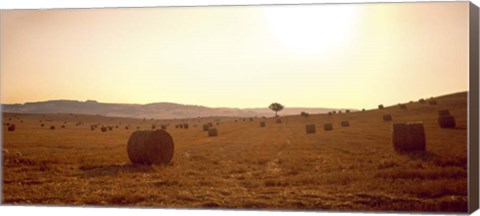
154, 110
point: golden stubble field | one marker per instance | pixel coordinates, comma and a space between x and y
246, 166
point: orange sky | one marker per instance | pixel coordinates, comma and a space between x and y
352, 56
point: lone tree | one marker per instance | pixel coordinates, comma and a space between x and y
276, 107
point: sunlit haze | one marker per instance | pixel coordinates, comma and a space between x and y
338, 56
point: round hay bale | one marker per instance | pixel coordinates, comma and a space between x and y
380, 106
443, 113
432, 102
126, 127
262, 124
278, 121
347, 111
329, 113
345, 124
446, 121
11, 127
185, 126
103, 129
150, 147
339, 111
206, 127
212, 132
334, 112
310, 129
328, 127
218, 123
63, 126
180, 126
408, 136
154, 127
387, 117
52, 127
176, 126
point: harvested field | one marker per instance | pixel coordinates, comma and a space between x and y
245, 166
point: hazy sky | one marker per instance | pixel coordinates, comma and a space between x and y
351, 56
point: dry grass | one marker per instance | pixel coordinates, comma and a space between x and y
276, 167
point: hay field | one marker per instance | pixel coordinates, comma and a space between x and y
246, 166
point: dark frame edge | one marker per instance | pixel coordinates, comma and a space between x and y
473, 148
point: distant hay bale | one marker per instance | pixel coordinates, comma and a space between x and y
347, 111
126, 127
363, 110
339, 111
304, 114
345, 124
185, 126
262, 124
380, 106
310, 129
334, 112
446, 121
52, 127
408, 136
154, 127
11, 127
176, 126
206, 127
180, 126
403, 106
103, 129
116, 126
63, 126
278, 121
42, 125
329, 113
218, 123
443, 113
150, 147
328, 127
432, 102
110, 128
212, 132
387, 117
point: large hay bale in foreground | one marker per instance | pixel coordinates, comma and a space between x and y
310, 129
328, 127
446, 121
262, 124
408, 136
11, 127
387, 117
150, 147
212, 132
345, 123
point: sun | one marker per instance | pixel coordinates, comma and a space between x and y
312, 28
